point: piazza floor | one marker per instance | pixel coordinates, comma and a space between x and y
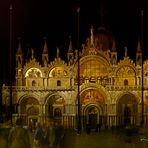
104, 139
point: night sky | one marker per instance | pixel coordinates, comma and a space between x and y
32, 20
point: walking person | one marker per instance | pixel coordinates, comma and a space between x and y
38, 136
18, 136
52, 135
45, 129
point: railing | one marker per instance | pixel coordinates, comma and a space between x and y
109, 87
25, 88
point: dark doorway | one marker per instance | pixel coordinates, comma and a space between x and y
32, 123
127, 115
50, 111
92, 120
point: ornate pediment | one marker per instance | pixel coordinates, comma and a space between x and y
126, 62
32, 64
57, 62
125, 67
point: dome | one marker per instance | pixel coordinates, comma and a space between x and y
103, 39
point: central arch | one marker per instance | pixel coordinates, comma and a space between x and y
93, 102
92, 115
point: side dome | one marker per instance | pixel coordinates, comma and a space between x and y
103, 39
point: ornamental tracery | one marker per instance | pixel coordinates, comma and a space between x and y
125, 71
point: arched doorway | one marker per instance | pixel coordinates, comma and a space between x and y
127, 115
127, 110
93, 115
93, 107
55, 107
29, 110
32, 114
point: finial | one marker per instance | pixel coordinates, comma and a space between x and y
32, 53
139, 47
114, 46
58, 52
45, 50
92, 36
10, 7
19, 50
70, 45
142, 12
78, 9
125, 49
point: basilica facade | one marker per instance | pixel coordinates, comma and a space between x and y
109, 89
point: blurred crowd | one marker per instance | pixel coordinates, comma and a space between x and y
45, 135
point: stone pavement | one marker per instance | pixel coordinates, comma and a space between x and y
104, 139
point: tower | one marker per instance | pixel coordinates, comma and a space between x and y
70, 53
19, 65
139, 54
113, 54
45, 59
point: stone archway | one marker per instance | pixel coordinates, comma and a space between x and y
29, 110
93, 102
26, 103
54, 104
127, 109
92, 115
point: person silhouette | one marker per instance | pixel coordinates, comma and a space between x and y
18, 136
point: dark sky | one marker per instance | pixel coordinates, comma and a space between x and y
32, 20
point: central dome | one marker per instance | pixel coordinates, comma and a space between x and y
103, 39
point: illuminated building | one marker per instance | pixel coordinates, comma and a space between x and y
110, 89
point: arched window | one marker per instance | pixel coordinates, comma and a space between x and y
125, 82
58, 83
33, 83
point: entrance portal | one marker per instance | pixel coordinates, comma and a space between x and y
127, 115
92, 120
92, 114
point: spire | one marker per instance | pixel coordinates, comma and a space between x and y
19, 50
139, 50
19, 55
125, 51
45, 59
114, 46
114, 54
139, 54
45, 50
58, 52
92, 36
32, 53
70, 46
70, 53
